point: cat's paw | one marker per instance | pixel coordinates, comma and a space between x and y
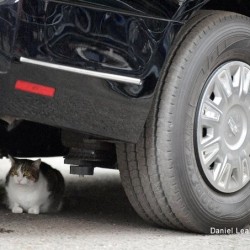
34, 210
17, 210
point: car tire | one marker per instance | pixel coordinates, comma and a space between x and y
162, 174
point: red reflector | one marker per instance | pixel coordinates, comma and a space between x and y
35, 88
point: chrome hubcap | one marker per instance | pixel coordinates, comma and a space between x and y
223, 127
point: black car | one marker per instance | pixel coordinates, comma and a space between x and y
157, 88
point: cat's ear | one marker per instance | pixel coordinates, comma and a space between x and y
12, 159
37, 164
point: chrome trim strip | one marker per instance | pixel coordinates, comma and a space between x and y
107, 76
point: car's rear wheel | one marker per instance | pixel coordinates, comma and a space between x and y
190, 169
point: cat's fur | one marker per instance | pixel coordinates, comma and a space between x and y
33, 187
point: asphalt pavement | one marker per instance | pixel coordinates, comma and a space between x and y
97, 215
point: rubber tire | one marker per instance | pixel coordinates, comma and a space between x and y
160, 173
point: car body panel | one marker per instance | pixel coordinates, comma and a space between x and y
119, 38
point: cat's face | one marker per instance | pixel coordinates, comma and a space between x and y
24, 172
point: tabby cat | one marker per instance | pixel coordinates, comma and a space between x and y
33, 187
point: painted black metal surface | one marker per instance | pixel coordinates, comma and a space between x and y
130, 38
153, 8
92, 39
8, 26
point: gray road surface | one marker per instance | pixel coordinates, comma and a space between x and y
97, 215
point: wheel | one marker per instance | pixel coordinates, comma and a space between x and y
190, 169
